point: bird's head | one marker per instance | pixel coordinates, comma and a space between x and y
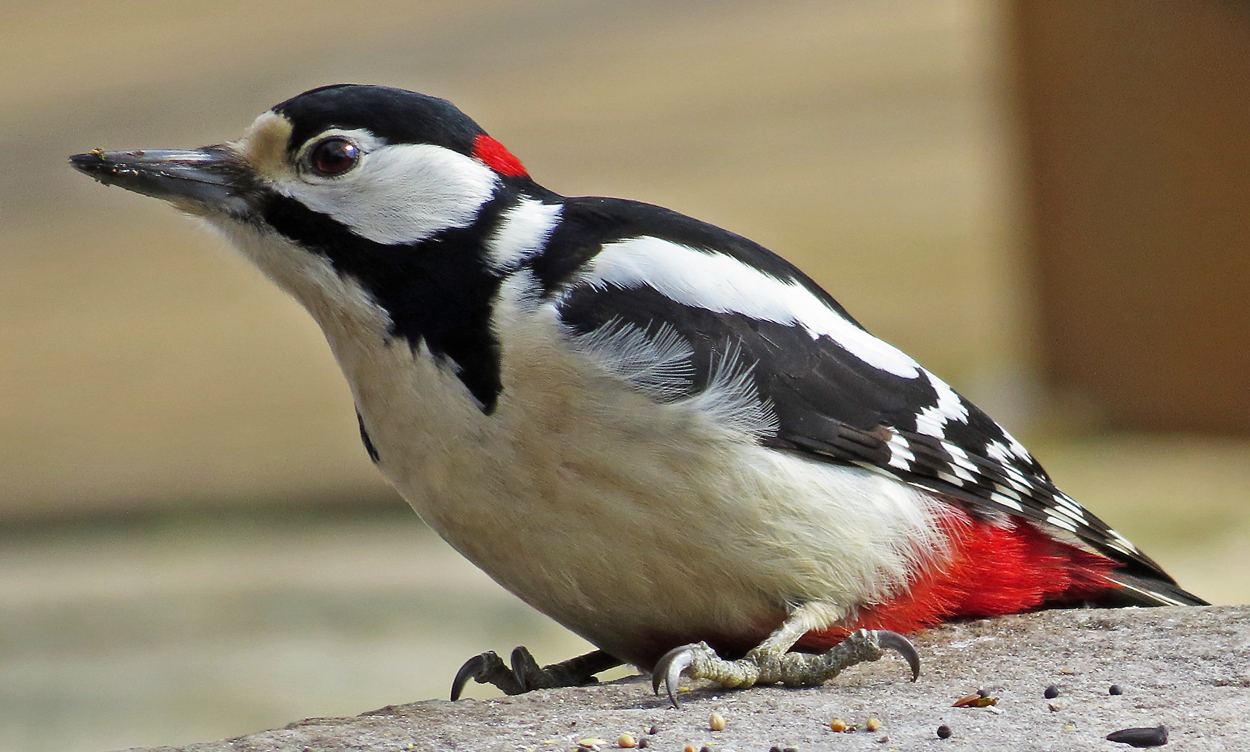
387, 165
374, 207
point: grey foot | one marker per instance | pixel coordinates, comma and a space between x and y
526, 675
763, 666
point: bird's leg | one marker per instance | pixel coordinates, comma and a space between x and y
526, 675
771, 663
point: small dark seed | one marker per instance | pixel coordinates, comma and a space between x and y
774, 749
1115, 690
653, 730
983, 692
789, 749
1051, 692
642, 743
1141, 737
944, 731
705, 748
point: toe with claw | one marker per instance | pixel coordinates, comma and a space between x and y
526, 675
771, 666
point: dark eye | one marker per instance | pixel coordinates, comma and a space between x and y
334, 156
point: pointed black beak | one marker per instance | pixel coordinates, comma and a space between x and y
210, 180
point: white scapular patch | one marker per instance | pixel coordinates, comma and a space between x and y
661, 366
932, 420
720, 283
522, 233
398, 193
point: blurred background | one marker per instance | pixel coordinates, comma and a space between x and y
1044, 202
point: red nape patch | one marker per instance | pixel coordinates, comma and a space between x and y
993, 571
497, 157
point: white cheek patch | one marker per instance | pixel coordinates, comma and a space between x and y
401, 193
721, 283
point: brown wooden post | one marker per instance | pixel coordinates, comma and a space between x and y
1138, 128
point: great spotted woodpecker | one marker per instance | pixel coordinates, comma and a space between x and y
653, 430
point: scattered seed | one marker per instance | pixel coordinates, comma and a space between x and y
691, 748
593, 742
883, 740
789, 749
1051, 692
837, 724
1055, 707
1141, 737
872, 724
976, 700
642, 743
654, 729
1115, 690
716, 722
774, 749
626, 741
705, 748
944, 731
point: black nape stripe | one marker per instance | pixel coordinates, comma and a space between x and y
437, 292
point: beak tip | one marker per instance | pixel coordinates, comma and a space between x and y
94, 163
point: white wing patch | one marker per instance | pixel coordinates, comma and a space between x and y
720, 283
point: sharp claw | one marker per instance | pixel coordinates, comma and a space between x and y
521, 660
668, 671
471, 668
900, 644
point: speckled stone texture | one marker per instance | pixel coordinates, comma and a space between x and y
1185, 668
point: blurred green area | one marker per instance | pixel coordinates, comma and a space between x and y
193, 543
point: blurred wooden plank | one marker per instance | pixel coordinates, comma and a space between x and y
1138, 115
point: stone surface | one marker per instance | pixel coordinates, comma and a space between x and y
1187, 669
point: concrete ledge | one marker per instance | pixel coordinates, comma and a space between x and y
1185, 668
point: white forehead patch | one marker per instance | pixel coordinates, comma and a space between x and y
398, 193
723, 284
